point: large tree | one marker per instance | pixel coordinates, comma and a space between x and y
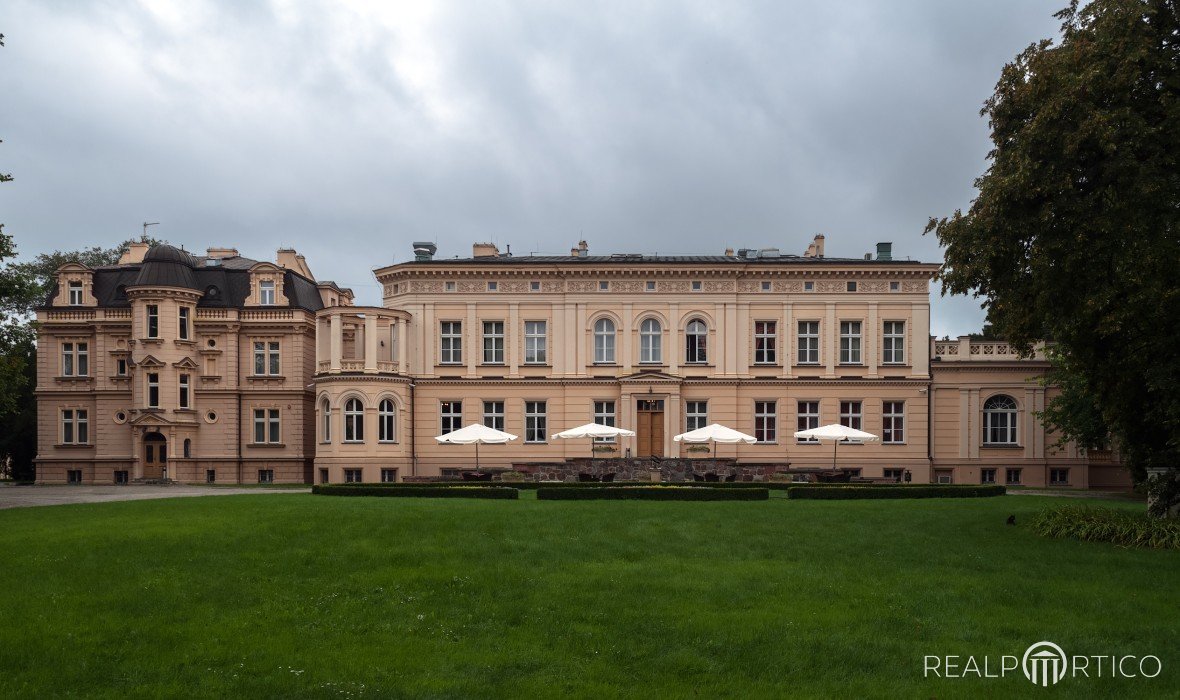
1075, 234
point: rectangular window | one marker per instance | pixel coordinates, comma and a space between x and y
696, 414
153, 321
121, 477
352, 476
323, 476
534, 421
75, 293
808, 418
808, 342
1059, 477
210, 476
809, 286
850, 342
153, 390
893, 474
535, 286
75, 427
851, 415
182, 382
266, 426
67, 359
449, 286
604, 414
493, 342
1012, 476
895, 286
604, 286
696, 285
73, 476
535, 342
493, 286
987, 476
121, 367
451, 413
493, 415
75, 359
266, 476
851, 286
766, 286
765, 342
183, 321
83, 363
649, 286
765, 421
893, 422
451, 343
266, 357
893, 346
266, 293
388, 476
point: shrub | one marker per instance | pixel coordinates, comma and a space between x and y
651, 493
1093, 524
840, 493
414, 491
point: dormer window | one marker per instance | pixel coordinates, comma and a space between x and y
266, 293
75, 288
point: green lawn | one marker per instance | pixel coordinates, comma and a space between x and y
300, 595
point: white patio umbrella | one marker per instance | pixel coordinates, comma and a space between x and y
594, 430
475, 434
715, 433
836, 433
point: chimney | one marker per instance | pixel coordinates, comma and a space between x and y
424, 251
288, 258
221, 252
816, 248
884, 251
583, 249
485, 250
729, 252
134, 253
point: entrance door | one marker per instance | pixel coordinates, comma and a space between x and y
649, 428
155, 456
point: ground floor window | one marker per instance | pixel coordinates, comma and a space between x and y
1012, 476
1058, 476
323, 476
449, 473
121, 476
534, 421
894, 474
944, 476
266, 476
352, 476
73, 476
210, 476
388, 476
987, 476
765, 421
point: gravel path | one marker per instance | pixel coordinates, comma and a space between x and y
28, 496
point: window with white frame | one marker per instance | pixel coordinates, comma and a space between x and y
765, 342
850, 342
766, 421
266, 476
493, 342
182, 383
604, 414
388, 476
893, 343
183, 323
649, 341
808, 342
852, 415
649, 286
353, 476
999, 420
450, 342
266, 357
808, 414
696, 414
535, 286
325, 421
266, 426
121, 367
1012, 476
493, 415
153, 321
354, 420
153, 390
75, 359
386, 421
696, 339
604, 341
75, 288
75, 426
534, 421
266, 292
893, 422
451, 416
987, 476
535, 342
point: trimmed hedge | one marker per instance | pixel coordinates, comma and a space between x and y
414, 491
869, 492
1092, 524
652, 493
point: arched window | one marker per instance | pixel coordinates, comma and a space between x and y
604, 341
649, 341
696, 338
325, 421
386, 422
188, 448
354, 421
999, 420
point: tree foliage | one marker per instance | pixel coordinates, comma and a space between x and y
1074, 234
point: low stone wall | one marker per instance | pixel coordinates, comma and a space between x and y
670, 470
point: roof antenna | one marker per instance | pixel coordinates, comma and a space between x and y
145, 225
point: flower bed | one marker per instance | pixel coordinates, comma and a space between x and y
1107, 525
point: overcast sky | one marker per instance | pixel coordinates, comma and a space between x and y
348, 130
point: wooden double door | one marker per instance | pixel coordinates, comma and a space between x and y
155, 456
649, 428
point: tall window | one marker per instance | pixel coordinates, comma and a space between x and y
999, 420
534, 342
183, 384
808, 418
493, 342
121, 367
325, 421
649, 341
696, 414
75, 293
153, 321
893, 422
604, 341
808, 342
451, 413
354, 421
386, 421
493, 415
893, 345
765, 342
266, 292
534, 421
75, 427
850, 342
183, 321
266, 425
266, 357
696, 338
852, 415
765, 421
75, 359
604, 414
153, 390
451, 343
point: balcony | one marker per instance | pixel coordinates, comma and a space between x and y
965, 349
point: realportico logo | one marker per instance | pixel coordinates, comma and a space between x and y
1043, 664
